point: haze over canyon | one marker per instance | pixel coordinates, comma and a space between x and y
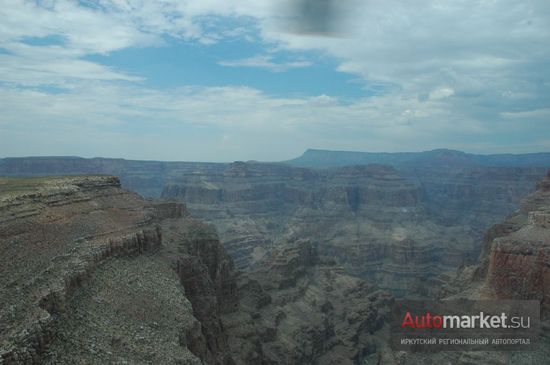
296, 262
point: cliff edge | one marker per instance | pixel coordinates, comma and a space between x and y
92, 273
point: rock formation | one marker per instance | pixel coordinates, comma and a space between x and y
514, 264
92, 273
516, 261
398, 226
144, 177
379, 225
299, 310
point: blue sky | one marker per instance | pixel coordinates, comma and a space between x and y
238, 80
180, 63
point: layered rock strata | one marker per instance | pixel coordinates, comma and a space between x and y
455, 197
517, 265
92, 273
514, 264
299, 310
144, 177
373, 221
95, 274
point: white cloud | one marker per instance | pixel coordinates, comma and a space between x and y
265, 62
528, 114
441, 93
249, 123
52, 65
448, 70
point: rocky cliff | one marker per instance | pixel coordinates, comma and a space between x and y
92, 273
473, 196
397, 225
380, 225
297, 309
516, 262
515, 259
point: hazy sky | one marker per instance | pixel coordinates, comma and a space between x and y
237, 80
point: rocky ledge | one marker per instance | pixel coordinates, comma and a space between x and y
92, 273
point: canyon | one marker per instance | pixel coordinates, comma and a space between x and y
260, 263
93, 273
399, 228
400, 219
514, 264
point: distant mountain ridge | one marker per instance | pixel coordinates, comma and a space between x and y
447, 157
148, 178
